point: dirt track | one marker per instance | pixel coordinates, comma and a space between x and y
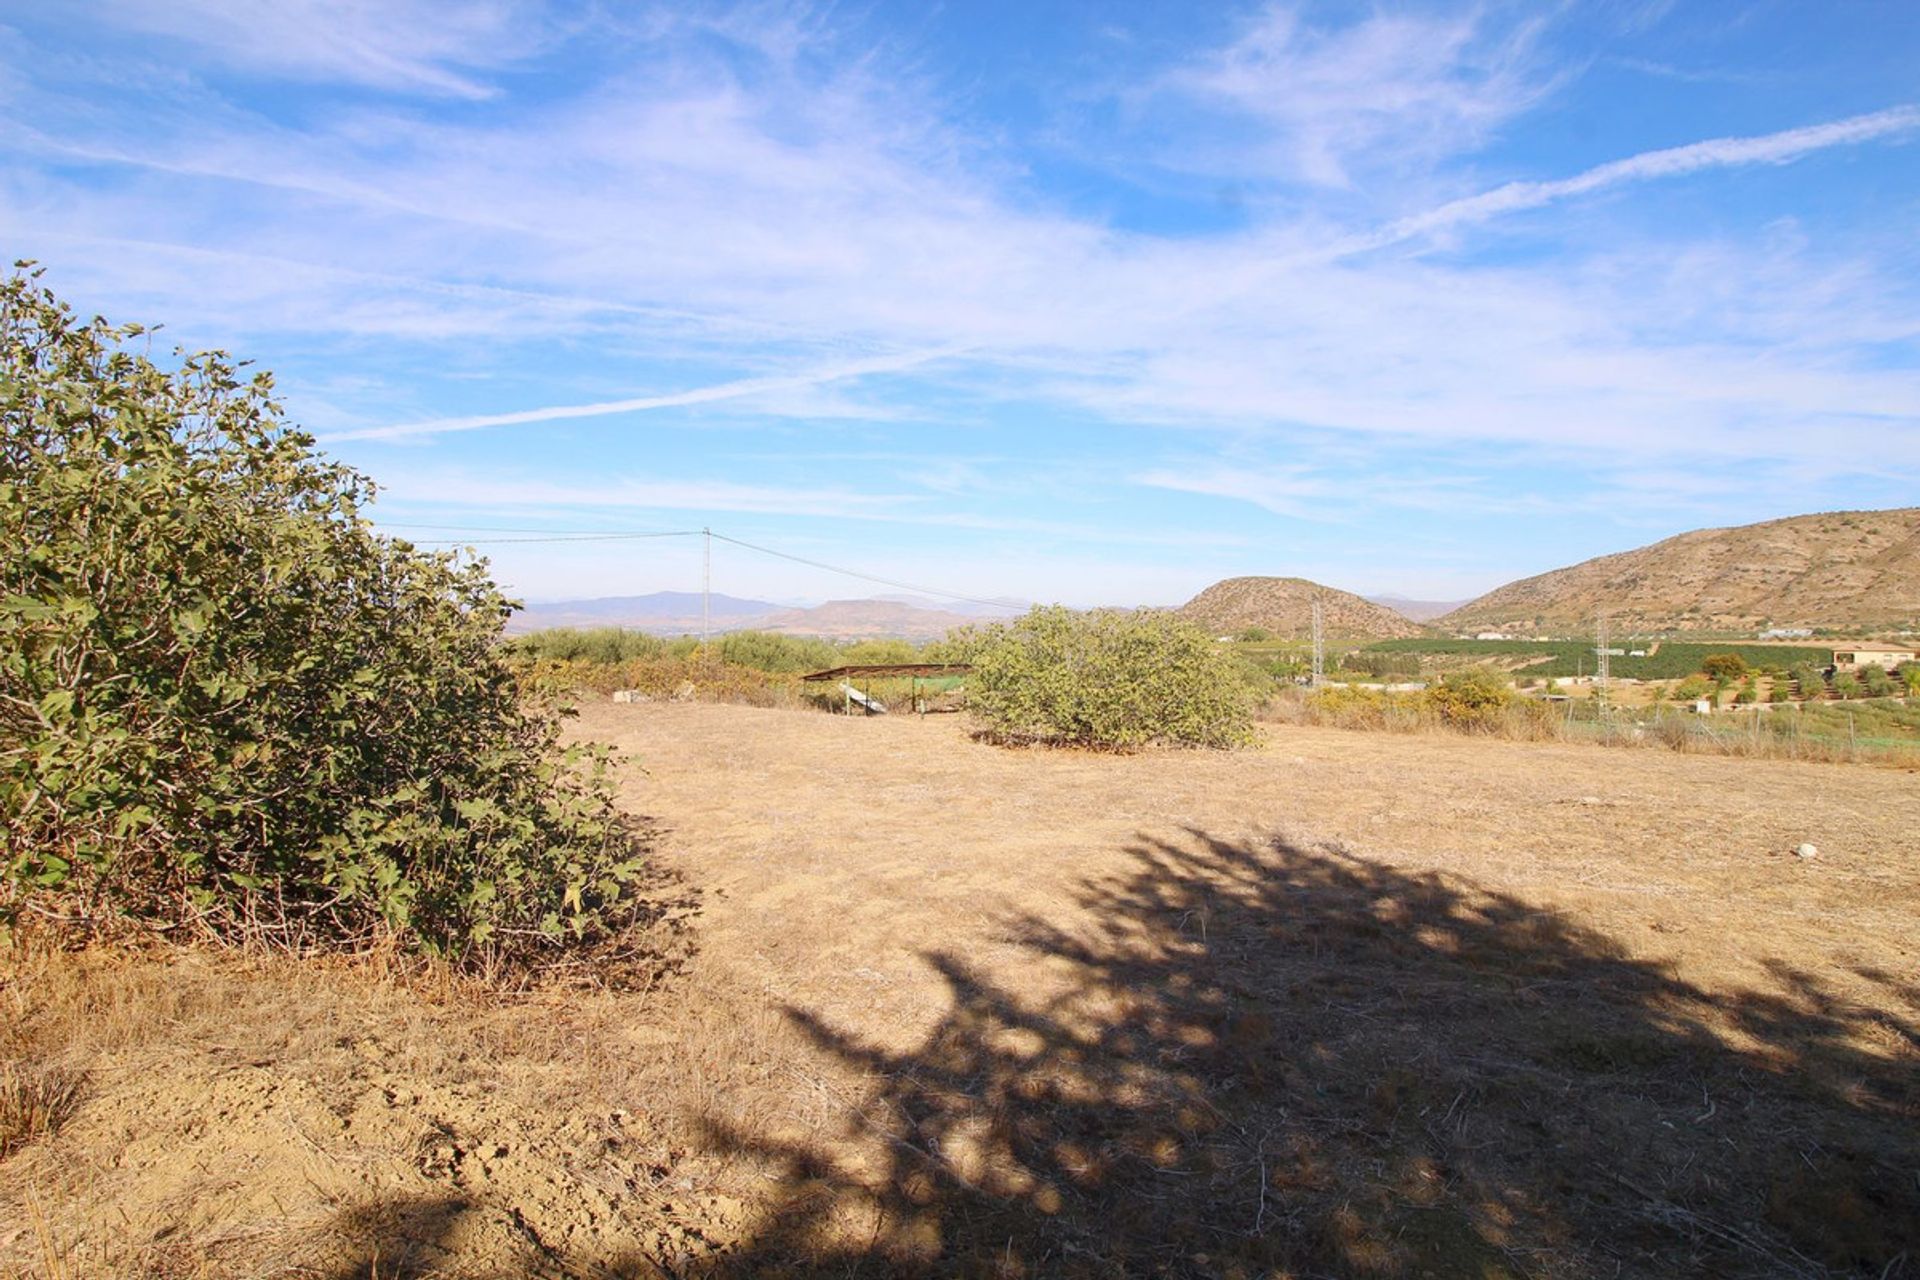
1347, 1004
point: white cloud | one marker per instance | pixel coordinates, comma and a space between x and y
568, 503
765, 212
416, 46
440, 487
1391, 87
1292, 491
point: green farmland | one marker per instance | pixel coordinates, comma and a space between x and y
1671, 660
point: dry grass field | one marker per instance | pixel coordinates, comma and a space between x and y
1346, 1005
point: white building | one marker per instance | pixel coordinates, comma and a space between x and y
1888, 656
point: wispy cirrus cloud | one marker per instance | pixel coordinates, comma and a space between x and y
1295, 490
410, 46
431, 490
1391, 88
691, 221
439, 487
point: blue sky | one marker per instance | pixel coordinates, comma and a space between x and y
1090, 302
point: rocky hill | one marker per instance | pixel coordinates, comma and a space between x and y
1284, 606
1852, 569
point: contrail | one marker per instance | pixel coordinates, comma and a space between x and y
1715, 153
698, 395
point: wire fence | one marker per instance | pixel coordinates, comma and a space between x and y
1783, 733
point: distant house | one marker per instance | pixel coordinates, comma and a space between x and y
1888, 656
1493, 635
1787, 633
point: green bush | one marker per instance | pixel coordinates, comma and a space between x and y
1383, 665
762, 651
663, 679
227, 704
1351, 708
1909, 674
1477, 697
1105, 679
878, 651
595, 644
783, 655
1284, 668
1723, 668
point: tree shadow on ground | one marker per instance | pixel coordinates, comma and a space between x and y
1269, 1059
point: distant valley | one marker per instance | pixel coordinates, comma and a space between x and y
679, 613
1843, 570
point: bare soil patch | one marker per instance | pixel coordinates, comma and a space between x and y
1349, 1004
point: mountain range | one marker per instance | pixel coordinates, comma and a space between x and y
1853, 570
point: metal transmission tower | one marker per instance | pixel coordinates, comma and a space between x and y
1319, 644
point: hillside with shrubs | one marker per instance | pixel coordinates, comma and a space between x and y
1283, 607
1839, 569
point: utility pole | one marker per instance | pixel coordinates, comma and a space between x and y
1603, 669
1319, 644
706, 589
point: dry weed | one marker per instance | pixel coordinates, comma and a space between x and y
35, 1100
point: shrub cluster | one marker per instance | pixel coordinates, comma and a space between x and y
1382, 665
600, 645
226, 702
1474, 700
768, 652
1107, 679
697, 676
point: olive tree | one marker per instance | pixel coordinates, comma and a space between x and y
1724, 668
1107, 679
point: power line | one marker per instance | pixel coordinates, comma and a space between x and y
623, 535
558, 537
867, 577
482, 528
